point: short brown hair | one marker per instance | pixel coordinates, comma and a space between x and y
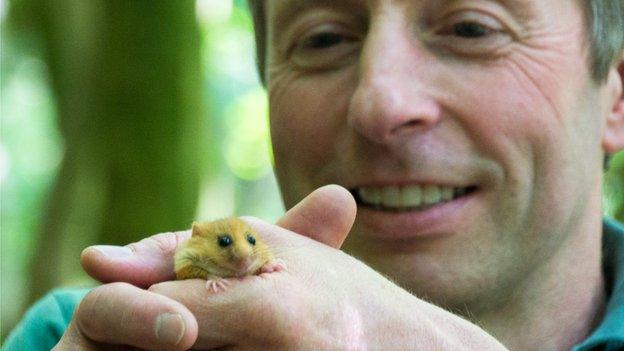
604, 20
605, 23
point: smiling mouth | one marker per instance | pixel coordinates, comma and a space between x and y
407, 198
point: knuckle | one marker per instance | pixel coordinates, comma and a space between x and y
155, 288
89, 313
134, 247
86, 313
165, 242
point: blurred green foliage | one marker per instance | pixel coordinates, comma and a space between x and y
247, 138
68, 68
614, 188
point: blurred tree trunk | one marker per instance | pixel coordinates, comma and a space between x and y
127, 80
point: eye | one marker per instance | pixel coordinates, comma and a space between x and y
251, 239
470, 33
323, 40
469, 24
324, 47
224, 240
470, 30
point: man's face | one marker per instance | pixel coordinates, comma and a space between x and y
469, 130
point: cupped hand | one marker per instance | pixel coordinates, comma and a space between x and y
325, 215
121, 313
325, 299
114, 316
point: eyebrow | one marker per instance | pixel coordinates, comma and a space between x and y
287, 10
520, 8
293, 7
290, 8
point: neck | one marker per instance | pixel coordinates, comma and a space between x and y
559, 304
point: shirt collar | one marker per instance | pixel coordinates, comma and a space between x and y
610, 332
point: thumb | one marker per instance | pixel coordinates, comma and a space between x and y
326, 215
142, 264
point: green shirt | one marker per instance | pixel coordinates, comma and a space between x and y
44, 324
609, 335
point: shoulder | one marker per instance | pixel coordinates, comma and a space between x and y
45, 322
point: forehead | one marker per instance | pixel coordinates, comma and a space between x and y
531, 14
295, 6
284, 10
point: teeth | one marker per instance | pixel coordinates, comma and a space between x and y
411, 196
431, 194
447, 193
372, 195
408, 196
391, 196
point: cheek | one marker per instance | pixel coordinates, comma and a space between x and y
534, 119
308, 119
300, 119
523, 111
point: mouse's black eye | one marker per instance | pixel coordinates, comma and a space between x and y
225, 240
251, 239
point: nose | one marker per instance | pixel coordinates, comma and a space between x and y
244, 263
393, 98
241, 256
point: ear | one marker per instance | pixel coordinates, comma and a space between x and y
195, 229
613, 139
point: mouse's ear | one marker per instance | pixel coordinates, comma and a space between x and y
195, 229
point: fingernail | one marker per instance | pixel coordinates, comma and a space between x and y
170, 328
113, 251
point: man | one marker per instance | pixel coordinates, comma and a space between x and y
472, 134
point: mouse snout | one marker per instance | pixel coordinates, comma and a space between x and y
242, 260
243, 263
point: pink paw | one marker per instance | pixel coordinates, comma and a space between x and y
275, 265
217, 284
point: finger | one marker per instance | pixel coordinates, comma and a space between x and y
121, 314
142, 264
326, 215
72, 339
212, 333
225, 318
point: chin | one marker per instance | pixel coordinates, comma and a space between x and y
438, 279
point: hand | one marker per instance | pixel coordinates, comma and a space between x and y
118, 314
324, 300
123, 314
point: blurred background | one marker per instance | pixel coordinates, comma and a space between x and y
120, 119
